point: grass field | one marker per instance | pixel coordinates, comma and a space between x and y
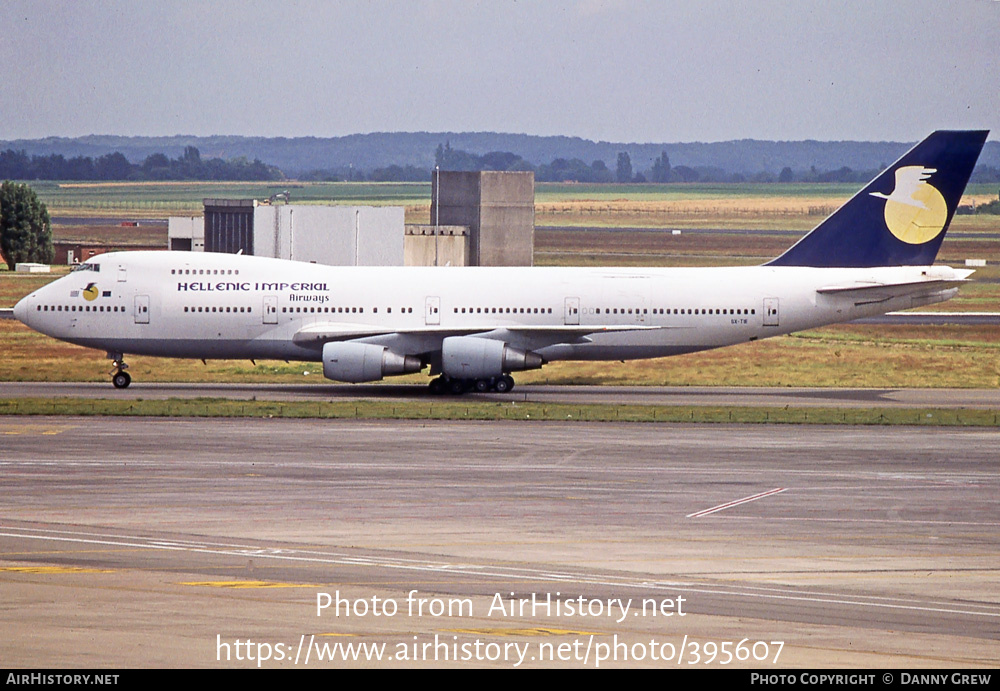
693, 204
471, 409
883, 356
160, 199
846, 355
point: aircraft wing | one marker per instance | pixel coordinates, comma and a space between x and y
522, 335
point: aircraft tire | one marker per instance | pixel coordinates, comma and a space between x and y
482, 385
121, 380
504, 384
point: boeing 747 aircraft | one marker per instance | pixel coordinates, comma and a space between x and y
473, 326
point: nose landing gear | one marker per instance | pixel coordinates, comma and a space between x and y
119, 377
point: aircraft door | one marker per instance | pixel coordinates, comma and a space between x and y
571, 313
432, 311
141, 309
770, 311
270, 309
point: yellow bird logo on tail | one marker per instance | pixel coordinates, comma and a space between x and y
915, 211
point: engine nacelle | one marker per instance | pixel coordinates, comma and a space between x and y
358, 362
467, 357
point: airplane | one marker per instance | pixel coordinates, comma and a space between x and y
474, 326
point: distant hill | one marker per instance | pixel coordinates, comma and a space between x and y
366, 152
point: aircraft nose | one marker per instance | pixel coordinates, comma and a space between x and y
21, 311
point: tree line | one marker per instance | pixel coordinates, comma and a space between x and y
661, 171
574, 169
17, 165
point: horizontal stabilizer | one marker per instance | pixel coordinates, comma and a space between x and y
878, 292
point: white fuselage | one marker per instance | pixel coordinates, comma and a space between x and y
204, 305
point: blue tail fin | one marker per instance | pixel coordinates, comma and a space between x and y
901, 217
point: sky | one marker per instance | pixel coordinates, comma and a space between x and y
611, 70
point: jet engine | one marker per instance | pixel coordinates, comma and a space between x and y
467, 357
358, 362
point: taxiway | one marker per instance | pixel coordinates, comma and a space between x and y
608, 395
150, 542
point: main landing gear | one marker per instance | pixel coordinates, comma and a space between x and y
119, 377
457, 387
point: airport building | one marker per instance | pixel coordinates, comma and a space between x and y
335, 235
477, 219
186, 233
76, 252
429, 245
498, 208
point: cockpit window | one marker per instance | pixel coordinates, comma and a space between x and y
86, 266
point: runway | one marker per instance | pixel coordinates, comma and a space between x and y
158, 542
608, 395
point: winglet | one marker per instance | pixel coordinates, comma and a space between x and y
901, 217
